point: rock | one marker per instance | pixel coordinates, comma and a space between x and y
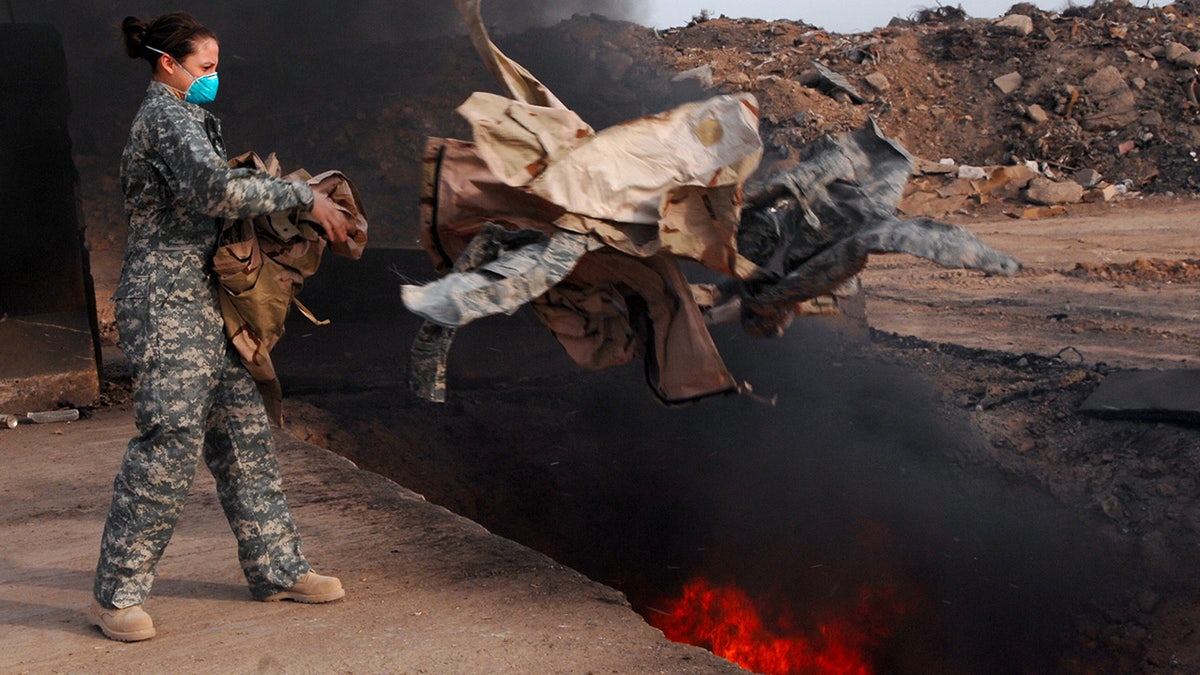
1006, 182
1015, 24
878, 82
1046, 192
971, 172
1037, 114
928, 167
1174, 50
1106, 193
1181, 55
958, 188
1188, 60
1088, 178
1009, 83
702, 74
835, 84
1152, 119
738, 79
1113, 104
1040, 212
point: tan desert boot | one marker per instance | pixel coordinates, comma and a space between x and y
311, 587
128, 624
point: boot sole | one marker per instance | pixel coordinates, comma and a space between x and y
308, 599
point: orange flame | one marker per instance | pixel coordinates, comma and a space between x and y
726, 622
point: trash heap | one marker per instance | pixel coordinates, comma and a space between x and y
1032, 111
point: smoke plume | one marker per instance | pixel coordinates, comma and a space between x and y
252, 29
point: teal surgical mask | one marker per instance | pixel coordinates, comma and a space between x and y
202, 90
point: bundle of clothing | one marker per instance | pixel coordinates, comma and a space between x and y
589, 228
261, 264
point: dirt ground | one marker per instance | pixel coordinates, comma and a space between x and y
1112, 284
1109, 290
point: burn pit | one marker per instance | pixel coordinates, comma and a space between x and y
857, 488
848, 519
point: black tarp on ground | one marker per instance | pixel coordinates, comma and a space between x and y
1168, 395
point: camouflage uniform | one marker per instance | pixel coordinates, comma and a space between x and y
193, 397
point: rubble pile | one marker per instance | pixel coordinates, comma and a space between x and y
1034, 110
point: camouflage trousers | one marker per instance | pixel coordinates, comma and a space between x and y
193, 398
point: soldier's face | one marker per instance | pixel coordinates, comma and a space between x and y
199, 63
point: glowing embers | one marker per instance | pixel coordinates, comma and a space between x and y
766, 639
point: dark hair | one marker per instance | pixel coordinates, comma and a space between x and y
176, 34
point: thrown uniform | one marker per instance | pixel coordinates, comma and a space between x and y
193, 397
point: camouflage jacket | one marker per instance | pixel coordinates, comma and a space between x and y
177, 182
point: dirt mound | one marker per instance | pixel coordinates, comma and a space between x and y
1110, 88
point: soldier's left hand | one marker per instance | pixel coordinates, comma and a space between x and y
332, 219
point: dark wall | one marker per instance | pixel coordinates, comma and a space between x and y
41, 255
264, 27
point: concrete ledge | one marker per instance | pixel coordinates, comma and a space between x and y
48, 361
427, 590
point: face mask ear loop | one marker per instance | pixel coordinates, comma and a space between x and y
189, 74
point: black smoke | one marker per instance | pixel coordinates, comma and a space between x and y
852, 480
254, 29
354, 86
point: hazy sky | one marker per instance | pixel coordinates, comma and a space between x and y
847, 16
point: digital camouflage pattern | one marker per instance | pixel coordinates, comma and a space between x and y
499, 271
811, 228
193, 398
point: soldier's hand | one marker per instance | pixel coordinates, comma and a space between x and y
331, 218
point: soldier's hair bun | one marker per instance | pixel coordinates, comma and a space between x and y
134, 31
176, 34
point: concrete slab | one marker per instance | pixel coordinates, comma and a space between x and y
47, 361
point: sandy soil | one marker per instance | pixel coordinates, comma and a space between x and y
1112, 284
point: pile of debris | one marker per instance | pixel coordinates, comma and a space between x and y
1035, 108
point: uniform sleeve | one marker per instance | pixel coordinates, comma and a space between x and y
202, 181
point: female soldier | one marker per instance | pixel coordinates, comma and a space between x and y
192, 396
